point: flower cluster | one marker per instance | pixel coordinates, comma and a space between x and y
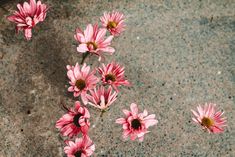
93, 39
99, 87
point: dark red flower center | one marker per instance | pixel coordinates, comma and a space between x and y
110, 77
135, 124
111, 24
80, 84
78, 153
76, 119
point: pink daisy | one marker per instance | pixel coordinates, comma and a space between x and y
210, 118
81, 80
93, 40
114, 22
75, 121
113, 74
28, 15
136, 124
82, 147
102, 98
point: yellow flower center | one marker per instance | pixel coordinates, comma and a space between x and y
112, 24
207, 122
92, 45
80, 84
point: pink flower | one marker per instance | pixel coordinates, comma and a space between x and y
136, 124
114, 22
102, 98
113, 74
28, 15
75, 121
81, 80
82, 147
93, 40
210, 118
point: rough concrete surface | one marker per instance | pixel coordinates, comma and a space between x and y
177, 54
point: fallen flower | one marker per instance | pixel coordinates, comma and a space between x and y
113, 22
210, 118
136, 124
113, 74
102, 98
75, 121
93, 41
82, 147
27, 16
81, 80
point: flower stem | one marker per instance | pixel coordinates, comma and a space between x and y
102, 112
84, 56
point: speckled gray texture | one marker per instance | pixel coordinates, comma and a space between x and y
177, 54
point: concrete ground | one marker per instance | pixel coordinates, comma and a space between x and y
177, 54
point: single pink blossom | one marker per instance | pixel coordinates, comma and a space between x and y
93, 41
75, 121
28, 15
136, 124
113, 74
102, 98
82, 147
113, 22
210, 118
81, 80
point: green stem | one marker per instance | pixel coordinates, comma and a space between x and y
84, 56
